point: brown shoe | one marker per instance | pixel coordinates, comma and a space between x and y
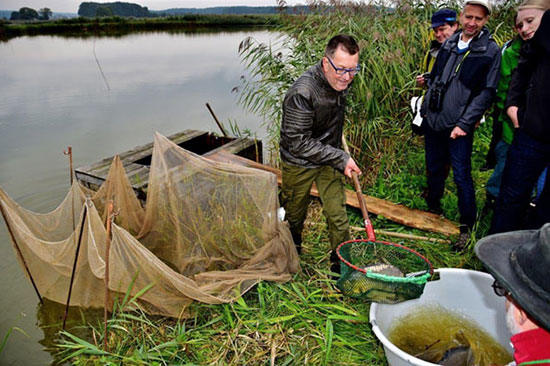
461, 242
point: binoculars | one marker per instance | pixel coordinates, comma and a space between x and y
437, 93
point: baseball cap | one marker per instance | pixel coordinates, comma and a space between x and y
484, 3
443, 16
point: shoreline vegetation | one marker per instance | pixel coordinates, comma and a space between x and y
307, 321
83, 26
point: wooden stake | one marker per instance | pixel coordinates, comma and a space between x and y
75, 263
20, 253
404, 236
107, 250
216, 119
69, 152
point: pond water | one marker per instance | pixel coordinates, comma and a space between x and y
100, 96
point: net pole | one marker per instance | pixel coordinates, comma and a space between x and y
360, 197
75, 263
69, 152
107, 250
216, 119
20, 254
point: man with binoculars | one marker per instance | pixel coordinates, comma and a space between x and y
461, 86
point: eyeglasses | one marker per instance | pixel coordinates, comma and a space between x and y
342, 71
499, 290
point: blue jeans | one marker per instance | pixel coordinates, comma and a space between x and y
440, 151
526, 160
493, 184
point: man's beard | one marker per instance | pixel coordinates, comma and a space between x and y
510, 321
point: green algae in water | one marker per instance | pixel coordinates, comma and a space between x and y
430, 331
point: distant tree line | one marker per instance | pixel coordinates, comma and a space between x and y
233, 10
30, 14
92, 9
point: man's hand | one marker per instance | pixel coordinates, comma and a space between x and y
420, 80
512, 112
351, 167
457, 132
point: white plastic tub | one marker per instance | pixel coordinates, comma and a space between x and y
459, 290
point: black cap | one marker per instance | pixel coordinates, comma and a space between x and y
443, 16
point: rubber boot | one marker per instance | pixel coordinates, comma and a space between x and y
335, 264
297, 238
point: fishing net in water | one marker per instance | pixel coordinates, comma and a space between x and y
209, 232
382, 272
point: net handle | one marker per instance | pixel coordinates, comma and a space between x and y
360, 197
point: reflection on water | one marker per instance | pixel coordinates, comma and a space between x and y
53, 96
49, 316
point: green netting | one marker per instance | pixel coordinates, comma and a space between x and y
382, 272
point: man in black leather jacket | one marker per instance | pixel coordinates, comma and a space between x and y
310, 145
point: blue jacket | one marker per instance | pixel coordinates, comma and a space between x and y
468, 79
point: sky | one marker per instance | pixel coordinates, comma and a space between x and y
71, 6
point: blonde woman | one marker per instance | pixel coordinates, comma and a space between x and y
526, 23
528, 106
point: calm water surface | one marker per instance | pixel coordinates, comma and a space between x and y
53, 94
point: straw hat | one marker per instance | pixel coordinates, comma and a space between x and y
519, 261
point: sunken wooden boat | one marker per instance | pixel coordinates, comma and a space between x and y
137, 161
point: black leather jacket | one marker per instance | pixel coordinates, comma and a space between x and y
529, 85
313, 120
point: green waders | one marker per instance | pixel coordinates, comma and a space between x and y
297, 182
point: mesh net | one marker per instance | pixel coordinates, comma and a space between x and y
382, 272
209, 232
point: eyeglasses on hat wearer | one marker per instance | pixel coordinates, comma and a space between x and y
342, 71
499, 290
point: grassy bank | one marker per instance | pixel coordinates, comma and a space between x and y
307, 321
119, 25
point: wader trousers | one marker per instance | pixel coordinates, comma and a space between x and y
297, 182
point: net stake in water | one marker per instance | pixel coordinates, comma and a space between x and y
19, 253
107, 250
75, 263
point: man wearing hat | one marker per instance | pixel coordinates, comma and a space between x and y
444, 25
461, 86
519, 262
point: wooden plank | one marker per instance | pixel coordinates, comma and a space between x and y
398, 213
